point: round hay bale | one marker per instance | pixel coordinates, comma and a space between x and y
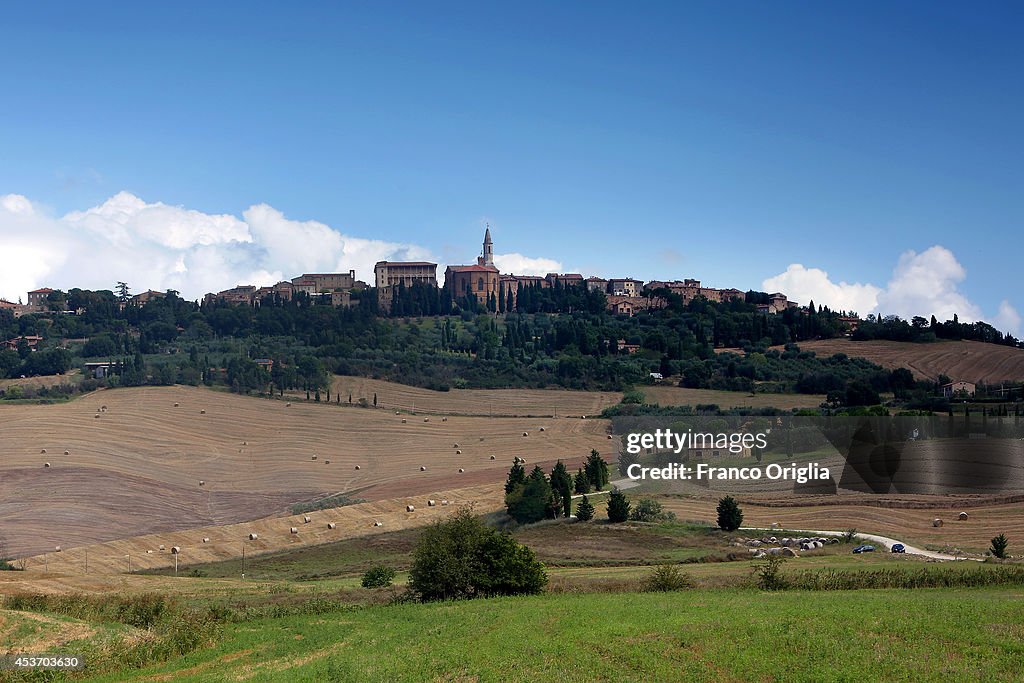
306, 519
357, 467
431, 503
455, 445
67, 452
332, 525
583, 417
103, 408
461, 470
245, 443
43, 451
206, 539
444, 419
327, 462
936, 522
287, 405
202, 412
161, 546
46, 464
397, 413
542, 429
410, 508
459, 452
492, 457
57, 549
789, 552
313, 458
149, 552
526, 433
378, 523
202, 483
422, 468
97, 416
175, 405
293, 530
404, 420
962, 515
609, 436
426, 419
253, 537
175, 549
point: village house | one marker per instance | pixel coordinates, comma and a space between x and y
955, 389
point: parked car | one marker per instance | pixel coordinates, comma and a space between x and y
864, 549
898, 548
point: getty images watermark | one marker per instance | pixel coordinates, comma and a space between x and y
700, 443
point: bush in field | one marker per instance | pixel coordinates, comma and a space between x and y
461, 558
999, 544
585, 510
769, 574
618, 507
730, 516
378, 577
667, 577
647, 510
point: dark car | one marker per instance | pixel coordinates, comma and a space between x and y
898, 548
864, 549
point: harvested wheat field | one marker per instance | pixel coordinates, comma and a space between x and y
906, 524
224, 542
513, 402
679, 396
969, 361
70, 377
126, 462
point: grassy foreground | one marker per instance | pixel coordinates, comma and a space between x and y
723, 635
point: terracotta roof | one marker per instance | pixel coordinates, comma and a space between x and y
44, 290
473, 269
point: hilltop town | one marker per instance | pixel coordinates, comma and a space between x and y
483, 281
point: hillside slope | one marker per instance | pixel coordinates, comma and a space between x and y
135, 468
969, 361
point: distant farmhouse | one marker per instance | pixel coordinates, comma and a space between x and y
955, 389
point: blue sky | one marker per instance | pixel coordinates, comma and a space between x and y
723, 141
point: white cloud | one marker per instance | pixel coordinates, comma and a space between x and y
806, 284
526, 265
924, 284
157, 246
1007, 318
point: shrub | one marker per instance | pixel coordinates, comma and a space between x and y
461, 558
648, 510
380, 576
999, 544
849, 536
667, 577
585, 510
730, 516
618, 507
769, 574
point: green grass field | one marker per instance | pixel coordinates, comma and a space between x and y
724, 635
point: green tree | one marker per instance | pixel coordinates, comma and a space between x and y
999, 544
597, 470
380, 576
462, 558
580, 482
562, 485
585, 510
618, 507
533, 500
730, 516
516, 477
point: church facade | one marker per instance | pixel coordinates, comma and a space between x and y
481, 279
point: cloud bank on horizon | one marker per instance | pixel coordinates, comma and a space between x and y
922, 284
158, 246
161, 247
